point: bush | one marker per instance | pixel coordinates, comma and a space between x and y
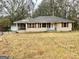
5, 24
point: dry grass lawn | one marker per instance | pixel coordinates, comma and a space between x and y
40, 45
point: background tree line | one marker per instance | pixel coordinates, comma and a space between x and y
61, 8
20, 9
68, 9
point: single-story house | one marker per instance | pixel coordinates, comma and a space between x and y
42, 23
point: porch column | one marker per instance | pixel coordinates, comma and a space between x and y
17, 26
37, 25
41, 25
26, 25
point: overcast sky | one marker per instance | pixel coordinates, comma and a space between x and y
38, 2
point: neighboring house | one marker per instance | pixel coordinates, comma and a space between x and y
42, 23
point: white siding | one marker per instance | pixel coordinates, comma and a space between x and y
60, 28
14, 28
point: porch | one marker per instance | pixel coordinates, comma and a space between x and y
33, 27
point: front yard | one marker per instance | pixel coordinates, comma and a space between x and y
40, 45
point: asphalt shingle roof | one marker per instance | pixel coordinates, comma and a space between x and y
44, 19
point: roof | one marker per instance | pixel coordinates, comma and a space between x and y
27, 20
44, 19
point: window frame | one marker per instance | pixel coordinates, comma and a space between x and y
48, 25
39, 25
44, 25
66, 24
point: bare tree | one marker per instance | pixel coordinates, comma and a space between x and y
16, 9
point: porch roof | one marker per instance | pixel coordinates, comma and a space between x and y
44, 19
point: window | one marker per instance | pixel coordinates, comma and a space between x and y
44, 25
52, 25
48, 25
64, 24
39, 25
31, 25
